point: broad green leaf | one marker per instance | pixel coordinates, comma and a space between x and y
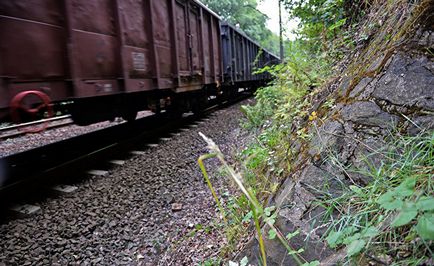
349, 230
272, 234
425, 226
292, 252
334, 238
371, 231
425, 204
271, 220
407, 214
244, 261
268, 210
291, 235
247, 217
312, 263
352, 238
355, 247
392, 205
406, 188
386, 197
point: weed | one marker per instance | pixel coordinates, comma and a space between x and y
259, 214
211, 262
266, 161
391, 220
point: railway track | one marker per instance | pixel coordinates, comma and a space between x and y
44, 124
23, 176
140, 208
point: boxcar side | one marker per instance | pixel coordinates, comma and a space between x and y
111, 58
241, 57
33, 50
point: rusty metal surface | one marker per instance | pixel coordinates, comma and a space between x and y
96, 16
44, 11
242, 56
32, 51
84, 48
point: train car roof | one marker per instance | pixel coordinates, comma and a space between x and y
207, 9
225, 23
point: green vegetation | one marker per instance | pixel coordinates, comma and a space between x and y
266, 161
274, 116
389, 221
259, 214
211, 262
243, 14
320, 22
392, 218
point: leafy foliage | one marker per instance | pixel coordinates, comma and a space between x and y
320, 21
259, 214
391, 219
286, 99
396, 209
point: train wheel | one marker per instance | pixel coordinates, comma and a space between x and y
20, 108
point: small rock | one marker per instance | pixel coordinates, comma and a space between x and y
96, 261
168, 198
176, 207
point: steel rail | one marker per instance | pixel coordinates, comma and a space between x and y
18, 126
15, 130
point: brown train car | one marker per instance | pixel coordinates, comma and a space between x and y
242, 57
109, 57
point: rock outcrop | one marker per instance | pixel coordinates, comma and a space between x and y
397, 96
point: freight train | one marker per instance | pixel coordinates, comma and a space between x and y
103, 59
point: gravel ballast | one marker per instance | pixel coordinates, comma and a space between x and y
29, 141
154, 210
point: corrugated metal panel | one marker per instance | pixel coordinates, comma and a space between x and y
241, 56
86, 48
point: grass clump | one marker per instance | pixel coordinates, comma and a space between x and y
259, 215
391, 220
265, 161
275, 119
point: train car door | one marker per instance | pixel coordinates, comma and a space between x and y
195, 39
182, 36
188, 30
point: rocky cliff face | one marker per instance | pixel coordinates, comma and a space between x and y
392, 90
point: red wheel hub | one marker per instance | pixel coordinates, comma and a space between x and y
18, 107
